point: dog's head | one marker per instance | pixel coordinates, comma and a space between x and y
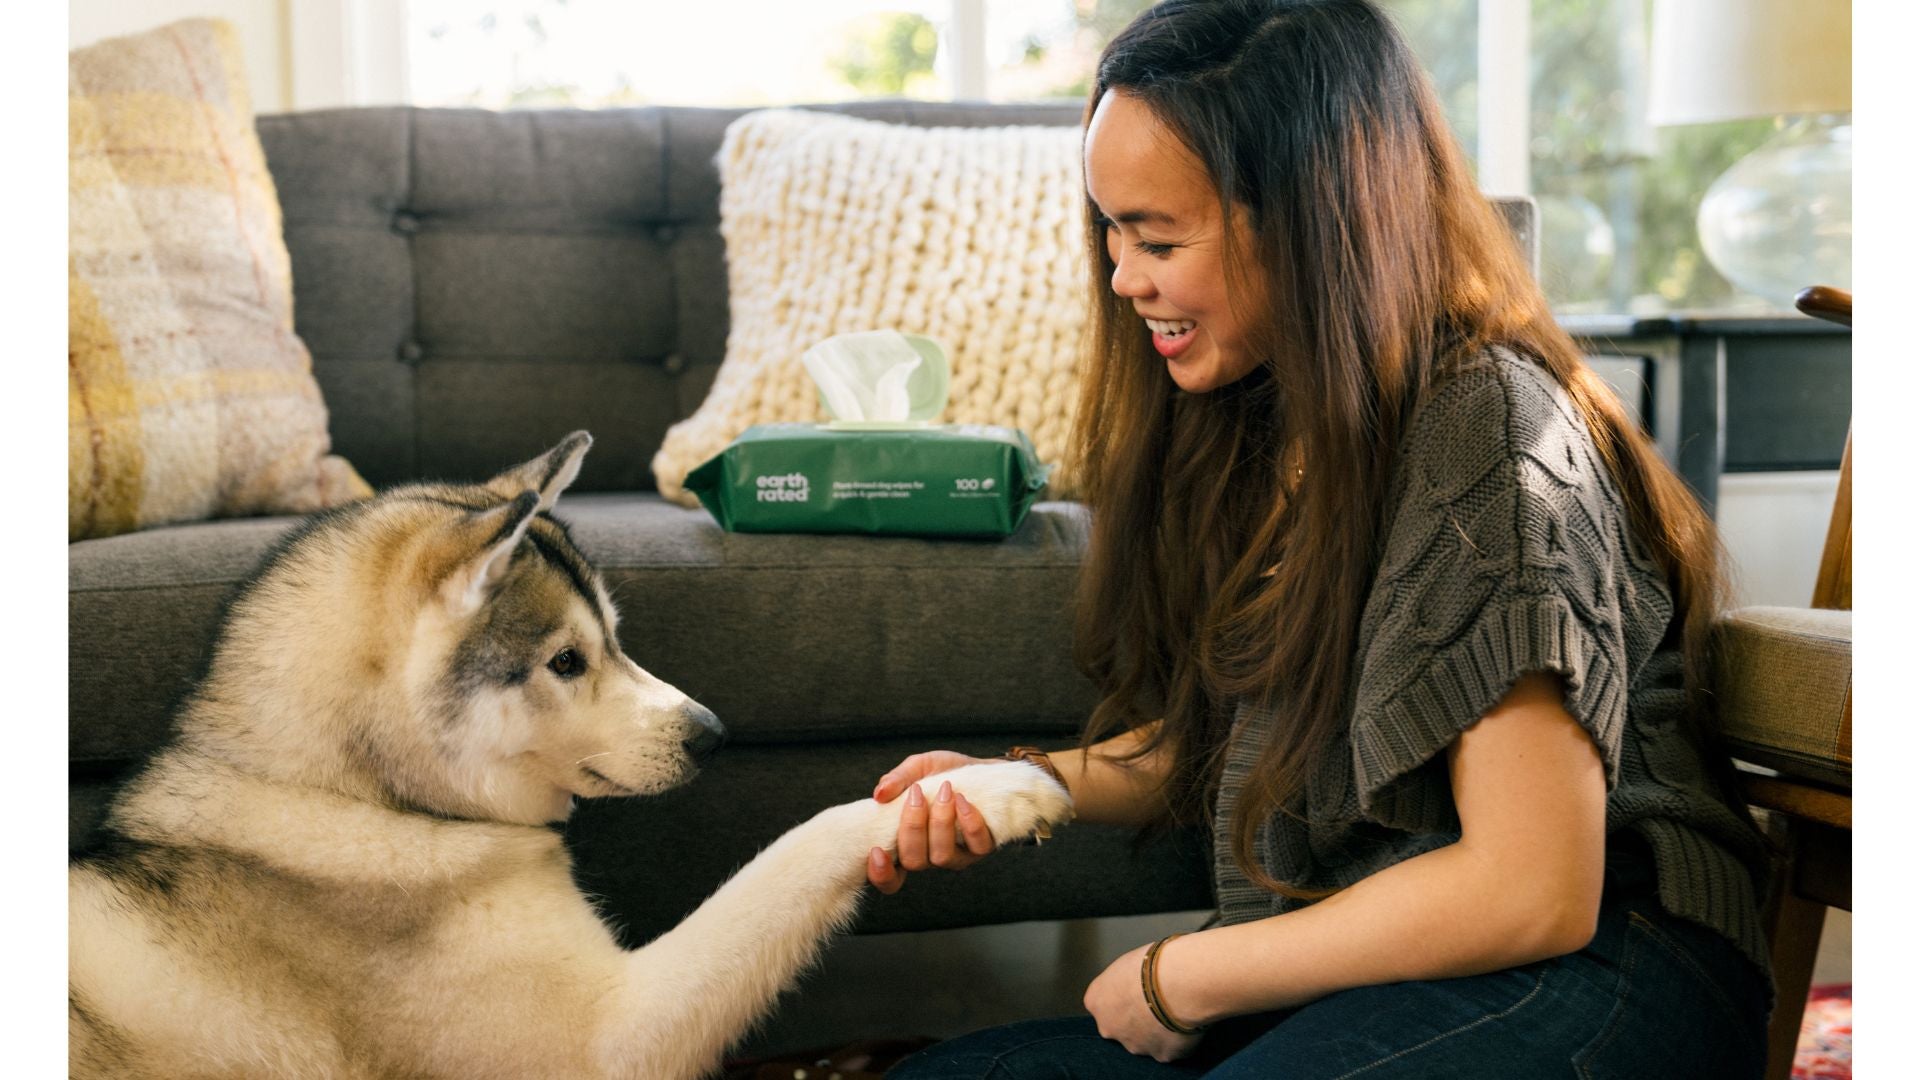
466, 660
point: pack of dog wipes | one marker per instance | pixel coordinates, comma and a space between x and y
880, 466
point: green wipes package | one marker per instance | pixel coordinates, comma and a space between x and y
881, 466
921, 480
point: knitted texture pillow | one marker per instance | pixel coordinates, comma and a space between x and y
834, 224
188, 395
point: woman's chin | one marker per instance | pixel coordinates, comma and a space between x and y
1196, 375
1198, 372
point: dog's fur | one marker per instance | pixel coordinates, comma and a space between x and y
341, 865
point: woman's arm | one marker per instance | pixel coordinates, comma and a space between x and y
1108, 790
939, 828
1522, 884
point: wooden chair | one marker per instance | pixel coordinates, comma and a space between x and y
1786, 695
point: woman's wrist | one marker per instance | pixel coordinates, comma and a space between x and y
1156, 999
1182, 985
1041, 760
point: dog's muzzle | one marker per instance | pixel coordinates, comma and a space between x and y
707, 736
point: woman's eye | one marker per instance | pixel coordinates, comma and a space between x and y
567, 663
1156, 250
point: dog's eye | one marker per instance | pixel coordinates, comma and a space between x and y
567, 663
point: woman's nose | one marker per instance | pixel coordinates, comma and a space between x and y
1128, 281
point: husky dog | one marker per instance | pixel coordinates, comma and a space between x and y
340, 865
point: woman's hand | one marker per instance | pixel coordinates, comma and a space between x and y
942, 830
1119, 1007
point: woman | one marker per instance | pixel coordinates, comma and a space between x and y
1386, 587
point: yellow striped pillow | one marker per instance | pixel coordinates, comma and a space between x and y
188, 394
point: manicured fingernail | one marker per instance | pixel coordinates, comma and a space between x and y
946, 791
877, 859
914, 798
961, 804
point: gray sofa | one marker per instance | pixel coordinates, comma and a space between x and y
475, 285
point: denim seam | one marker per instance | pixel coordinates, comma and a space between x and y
1614, 1024
994, 1065
1539, 982
1673, 948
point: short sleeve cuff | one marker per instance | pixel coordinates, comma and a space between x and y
1398, 730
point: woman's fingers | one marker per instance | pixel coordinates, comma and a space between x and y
973, 827
919, 767
940, 840
897, 778
914, 768
881, 872
913, 830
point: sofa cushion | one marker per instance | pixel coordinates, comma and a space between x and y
974, 237
1785, 686
786, 638
189, 396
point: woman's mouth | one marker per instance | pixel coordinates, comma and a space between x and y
1172, 336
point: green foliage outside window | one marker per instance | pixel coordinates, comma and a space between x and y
1617, 198
885, 55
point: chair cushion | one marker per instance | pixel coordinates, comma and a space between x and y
786, 638
188, 394
1786, 690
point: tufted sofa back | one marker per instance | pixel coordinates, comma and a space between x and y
474, 285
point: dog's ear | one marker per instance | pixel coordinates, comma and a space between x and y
482, 546
547, 475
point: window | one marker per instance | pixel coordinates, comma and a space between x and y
1617, 197
504, 54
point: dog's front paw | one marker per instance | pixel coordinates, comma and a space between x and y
1018, 800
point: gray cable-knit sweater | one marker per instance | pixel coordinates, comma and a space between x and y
1508, 550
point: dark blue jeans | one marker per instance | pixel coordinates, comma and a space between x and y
1652, 996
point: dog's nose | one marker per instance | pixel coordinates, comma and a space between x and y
707, 737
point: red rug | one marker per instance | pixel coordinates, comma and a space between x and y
1825, 1051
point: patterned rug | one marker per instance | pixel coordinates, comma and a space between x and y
1825, 1051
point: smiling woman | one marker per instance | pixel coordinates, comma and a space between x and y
1166, 239
1386, 587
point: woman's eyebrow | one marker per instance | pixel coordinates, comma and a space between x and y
1132, 217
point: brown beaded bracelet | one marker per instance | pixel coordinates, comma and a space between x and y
1038, 758
1150, 986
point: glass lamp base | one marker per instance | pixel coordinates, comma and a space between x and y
1781, 218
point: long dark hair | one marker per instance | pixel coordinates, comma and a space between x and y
1236, 533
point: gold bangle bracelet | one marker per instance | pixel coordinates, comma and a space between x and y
1150, 987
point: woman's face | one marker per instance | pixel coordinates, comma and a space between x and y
1164, 234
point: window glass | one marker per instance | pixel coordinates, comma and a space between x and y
1040, 50
1617, 196
503, 54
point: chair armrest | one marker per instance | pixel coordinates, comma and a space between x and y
1784, 679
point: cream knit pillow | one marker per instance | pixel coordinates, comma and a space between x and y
833, 224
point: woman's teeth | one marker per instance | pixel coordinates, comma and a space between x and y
1171, 329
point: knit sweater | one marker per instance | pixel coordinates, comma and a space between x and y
1508, 550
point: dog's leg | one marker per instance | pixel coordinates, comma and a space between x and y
697, 988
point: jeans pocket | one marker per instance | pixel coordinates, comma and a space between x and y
1673, 1015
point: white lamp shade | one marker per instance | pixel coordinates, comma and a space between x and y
1734, 59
